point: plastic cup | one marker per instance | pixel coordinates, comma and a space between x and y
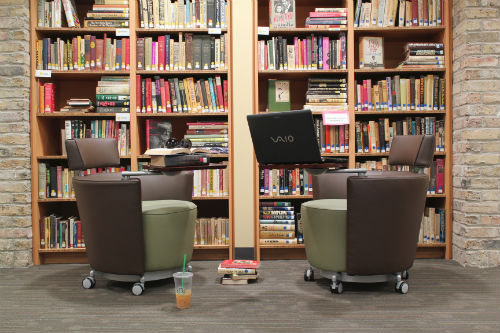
183, 289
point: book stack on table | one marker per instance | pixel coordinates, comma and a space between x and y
238, 271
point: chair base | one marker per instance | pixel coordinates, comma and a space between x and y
140, 280
338, 277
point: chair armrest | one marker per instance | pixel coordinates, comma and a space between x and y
359, 171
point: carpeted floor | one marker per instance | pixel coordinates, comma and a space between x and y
443, 297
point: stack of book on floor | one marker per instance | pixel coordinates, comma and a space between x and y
108, 13
277, 223
423, 55
238, 271
78, 105
113, 94
209, 135
326, 94
325, 18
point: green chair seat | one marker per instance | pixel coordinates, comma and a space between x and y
168, 227
325, 227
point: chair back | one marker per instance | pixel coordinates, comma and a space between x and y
92, 153
412, 150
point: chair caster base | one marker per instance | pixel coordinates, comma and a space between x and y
336, 287
309, 274
401, 287
138, 288
88, 282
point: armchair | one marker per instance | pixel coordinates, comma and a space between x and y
136, 229
365, 228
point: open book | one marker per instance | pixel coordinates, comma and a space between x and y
175, 151
178, 156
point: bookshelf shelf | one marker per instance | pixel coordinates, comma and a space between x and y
211, 247
46, 128
183, 114
395, 39
283, 246
335, 154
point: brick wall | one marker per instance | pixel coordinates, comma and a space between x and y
476, 132
15, 199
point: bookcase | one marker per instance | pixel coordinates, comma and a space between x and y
46, 137
395, 39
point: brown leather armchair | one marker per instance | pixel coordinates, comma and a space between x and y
136, 228
364, 228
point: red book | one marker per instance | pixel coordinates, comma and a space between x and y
99, 61
162, 96
341, 138
426, 12
346, 138
328, 14
414, 12
75, 53
238, 263
226, 103
49, 99
79, 238
221, 182
127, 53
327, 139
439, 175
92, 52
138, 93
147, 133
161, 53
266, 55
364, 99
59, 181
167, 97
149, 96
220, 98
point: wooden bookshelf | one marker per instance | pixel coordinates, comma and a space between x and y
394, 40
45, 127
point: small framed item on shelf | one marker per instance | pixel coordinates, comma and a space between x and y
371, 52
282, 13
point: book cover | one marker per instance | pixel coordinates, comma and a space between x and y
282, 13
278, 95
157, 133
240, 264
371, 52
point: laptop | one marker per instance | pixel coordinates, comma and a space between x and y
286, 138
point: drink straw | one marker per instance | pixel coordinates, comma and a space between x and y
183, 269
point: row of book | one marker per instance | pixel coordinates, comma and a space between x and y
49, 13
433, 227
212, 136
211, 183
56, 181
423, 55
310, 53
178, 95
278, 223
113, 94
189, 52
46, 97
327, 18
211, 231
435, 172
375, 136
423, 93
83, 53
326, 94
97, 128
332, 139
57, 232
401, 13
114, 14
276, 182
165, 14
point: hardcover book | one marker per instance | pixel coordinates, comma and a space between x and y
371, 52
240, 264
282, 13
278, 95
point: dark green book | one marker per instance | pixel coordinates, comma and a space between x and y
278, 95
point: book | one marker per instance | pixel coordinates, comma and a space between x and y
278, 95
230, 281
157, 133
239, 271
282, 13
177, 156
371, 52
239, 263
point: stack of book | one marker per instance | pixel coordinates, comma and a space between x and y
423, 55
83, 53
327, 18
108, 13
421, 93
78, 105
277, 223
310, 53
211, 231
50, 13
276, 182
326, 94
158, 95
180, 14
189, 52
209, 135
57, 232
114, 89
238, 271
433, 228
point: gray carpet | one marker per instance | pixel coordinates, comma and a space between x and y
443, 297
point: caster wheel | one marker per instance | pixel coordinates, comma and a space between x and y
401, 287
309, 275
189, 268
137, 289
336, 288
405, 274
88, 282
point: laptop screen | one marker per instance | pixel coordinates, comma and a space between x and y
284, 137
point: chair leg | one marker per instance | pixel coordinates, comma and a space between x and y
400, 286
309, 274
336, 287
139, 287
